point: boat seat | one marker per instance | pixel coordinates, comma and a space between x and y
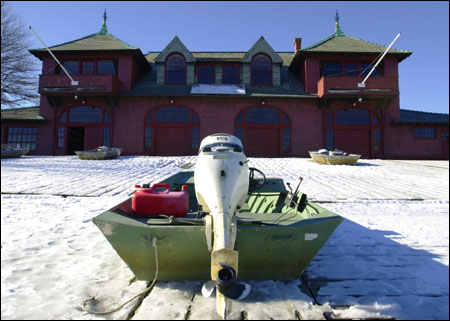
268, 202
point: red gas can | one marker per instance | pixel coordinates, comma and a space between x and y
153, 201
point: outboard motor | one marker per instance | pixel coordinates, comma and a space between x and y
221, 179
221, 174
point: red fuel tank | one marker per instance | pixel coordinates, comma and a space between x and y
154, 200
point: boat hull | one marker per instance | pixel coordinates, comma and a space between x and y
349, 159
99, 155
265, 252
274, 242
13, 153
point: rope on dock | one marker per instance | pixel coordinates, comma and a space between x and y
83, 303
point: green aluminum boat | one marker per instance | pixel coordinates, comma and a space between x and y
278, 234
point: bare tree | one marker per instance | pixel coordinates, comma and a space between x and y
19, 70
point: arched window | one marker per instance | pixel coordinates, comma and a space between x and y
85, 114
172, 114
176, 69
261, 70
353, 116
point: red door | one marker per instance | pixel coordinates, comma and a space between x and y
92, 137
355, 141
262, 142
172, 141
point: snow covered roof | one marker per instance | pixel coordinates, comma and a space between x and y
219, 89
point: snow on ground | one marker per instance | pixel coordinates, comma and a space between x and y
389, 257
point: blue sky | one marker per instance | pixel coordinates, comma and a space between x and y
236, 26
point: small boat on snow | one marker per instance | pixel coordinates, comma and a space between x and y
99, 153
334, 157
220, 223
9, 151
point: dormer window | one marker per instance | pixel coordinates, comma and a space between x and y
206, 73
231, 74
261, 70
176, 69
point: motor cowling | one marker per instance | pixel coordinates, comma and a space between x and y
221, 174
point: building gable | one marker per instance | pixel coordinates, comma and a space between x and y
261, 46
175, 46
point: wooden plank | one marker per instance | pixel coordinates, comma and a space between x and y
168, 301
277, 300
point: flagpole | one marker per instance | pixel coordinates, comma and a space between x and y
73, 82
362, 84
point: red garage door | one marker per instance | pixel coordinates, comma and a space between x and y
264, 131
172, 141
92, 137
355, 141
262, 142
171, 131
354, 130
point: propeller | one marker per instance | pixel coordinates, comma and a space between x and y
226, 284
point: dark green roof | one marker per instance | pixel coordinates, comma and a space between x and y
22, 114
339, 42
100, 41
420, 117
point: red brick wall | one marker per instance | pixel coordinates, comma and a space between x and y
312, 74
46, 133
403, 145
125, 73
217, 115
390, 66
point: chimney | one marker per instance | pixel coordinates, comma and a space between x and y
297, 44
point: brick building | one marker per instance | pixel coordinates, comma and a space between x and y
280, 104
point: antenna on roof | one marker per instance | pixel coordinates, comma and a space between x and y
72, 81
362, 84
